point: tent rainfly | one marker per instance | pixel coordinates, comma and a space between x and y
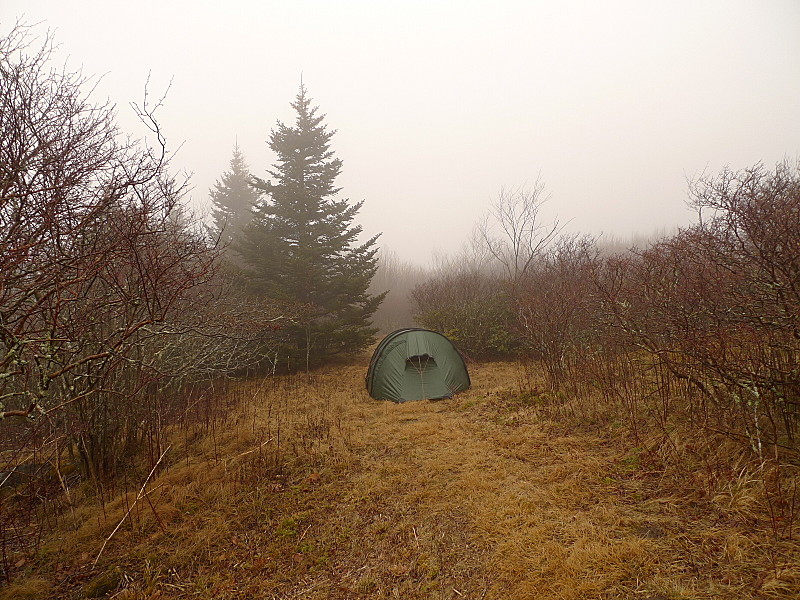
416, 364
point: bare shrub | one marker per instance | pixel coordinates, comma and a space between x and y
471, 308
513, 231
553, 307
106, 285
716, 305
113, 309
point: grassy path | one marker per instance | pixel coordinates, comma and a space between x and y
313, 490
478, 498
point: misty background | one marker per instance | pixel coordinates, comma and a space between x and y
438, 104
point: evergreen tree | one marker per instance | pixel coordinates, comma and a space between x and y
302, 244
234, 198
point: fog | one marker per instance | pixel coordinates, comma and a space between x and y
615, 105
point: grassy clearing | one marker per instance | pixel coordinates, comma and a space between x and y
309, 489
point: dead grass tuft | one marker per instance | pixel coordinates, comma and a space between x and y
32, 588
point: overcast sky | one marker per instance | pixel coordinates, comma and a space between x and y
439, 104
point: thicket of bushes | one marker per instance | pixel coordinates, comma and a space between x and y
717, 305
112, 304
697, 334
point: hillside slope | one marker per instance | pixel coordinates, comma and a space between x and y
310, 489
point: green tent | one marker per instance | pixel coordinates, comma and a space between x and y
416, 364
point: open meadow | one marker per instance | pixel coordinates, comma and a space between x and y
304, 487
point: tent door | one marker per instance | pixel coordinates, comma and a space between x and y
422, 379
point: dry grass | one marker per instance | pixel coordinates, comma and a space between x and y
310, 489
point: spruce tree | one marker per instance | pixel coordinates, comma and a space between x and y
234, 198
302, 246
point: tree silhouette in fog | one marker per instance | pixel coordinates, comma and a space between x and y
302, 245
234, 198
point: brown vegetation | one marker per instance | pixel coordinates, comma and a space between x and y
705, 320
112, 307
645, 444
307, 488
